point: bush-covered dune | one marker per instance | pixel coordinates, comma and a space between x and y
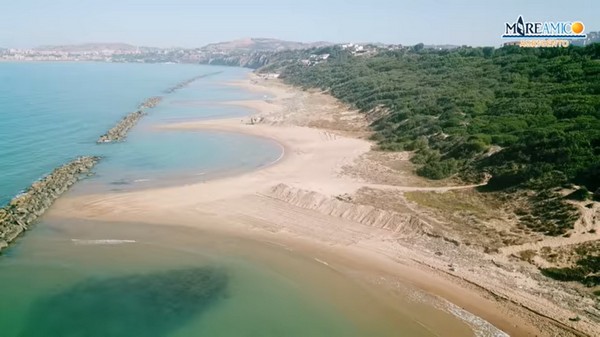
540, 107
529, 117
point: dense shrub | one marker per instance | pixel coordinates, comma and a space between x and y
586, 271
530, 117
438, 169
540, 106
581, 194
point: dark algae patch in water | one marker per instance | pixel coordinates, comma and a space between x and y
150, 305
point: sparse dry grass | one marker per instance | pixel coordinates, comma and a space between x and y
390, 168
389, 200
473, 218
568, 255
465, 202
527, 255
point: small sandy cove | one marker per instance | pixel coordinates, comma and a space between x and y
303, 201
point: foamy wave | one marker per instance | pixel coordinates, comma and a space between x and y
101, 242
481, 327
321, 261
140, 180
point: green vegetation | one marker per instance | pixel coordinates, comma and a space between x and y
529, 117
581, 194
549, 214
541, 106
586, 271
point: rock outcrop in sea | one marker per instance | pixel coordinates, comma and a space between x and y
26, 207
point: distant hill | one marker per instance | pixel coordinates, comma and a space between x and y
241, 46
89, 47
259, 45
250, 52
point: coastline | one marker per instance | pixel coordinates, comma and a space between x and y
26, 206
300, 201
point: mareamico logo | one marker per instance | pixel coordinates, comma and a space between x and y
521, 29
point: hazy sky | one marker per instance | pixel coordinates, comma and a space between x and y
193, 23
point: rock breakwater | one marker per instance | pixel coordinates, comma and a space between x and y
119, 131
25, 208
150, 103
189, 81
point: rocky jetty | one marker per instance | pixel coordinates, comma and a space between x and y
18, 215
119, 131
187, 82
181, 85
150, 103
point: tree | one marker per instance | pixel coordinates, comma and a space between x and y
418, 47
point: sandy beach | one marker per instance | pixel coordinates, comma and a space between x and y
308, 202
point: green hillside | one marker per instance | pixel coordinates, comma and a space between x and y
529, 117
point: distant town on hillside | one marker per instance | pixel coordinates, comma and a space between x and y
247, 52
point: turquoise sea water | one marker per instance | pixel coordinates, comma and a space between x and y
63, 278
53, 112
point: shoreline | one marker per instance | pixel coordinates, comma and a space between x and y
186, 177
217, 128
307, 172
409, 266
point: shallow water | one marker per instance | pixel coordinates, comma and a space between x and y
97, 279
156, 158
150, 304
52, 112
83, 278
